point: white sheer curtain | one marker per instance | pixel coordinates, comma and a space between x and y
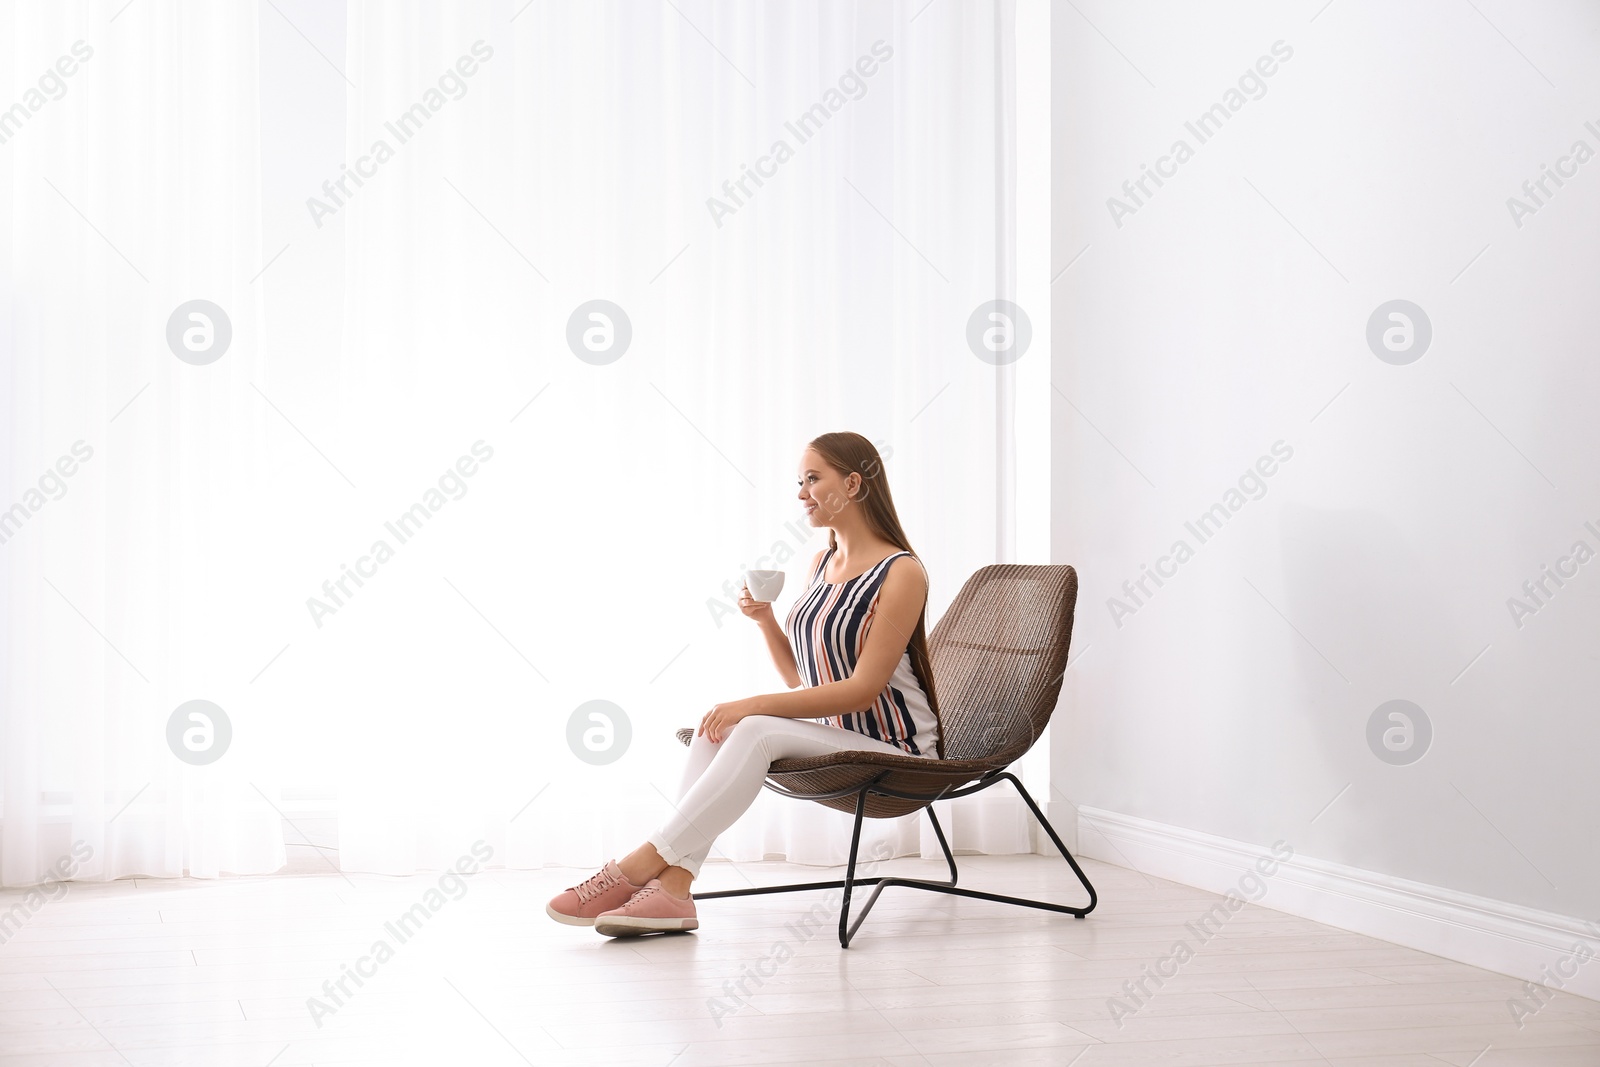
574, 517
129, 184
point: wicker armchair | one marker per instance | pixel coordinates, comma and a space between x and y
998, 654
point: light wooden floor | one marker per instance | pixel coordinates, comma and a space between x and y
154, 972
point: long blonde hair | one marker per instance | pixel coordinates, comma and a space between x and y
849, 453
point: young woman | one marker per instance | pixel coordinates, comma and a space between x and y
855, 639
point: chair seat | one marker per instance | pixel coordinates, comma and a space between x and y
849, 771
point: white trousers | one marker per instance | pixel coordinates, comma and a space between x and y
722, 779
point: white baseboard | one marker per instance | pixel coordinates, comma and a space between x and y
1506, 938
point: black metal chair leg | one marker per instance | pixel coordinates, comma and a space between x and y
850, 872
878, 883
847, 929
938, 831
1051, 830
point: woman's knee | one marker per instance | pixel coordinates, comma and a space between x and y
764, 723
702, 745
778, 736
753, 731
765, 726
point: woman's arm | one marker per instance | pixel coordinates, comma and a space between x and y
777, 640
782, 654
900, 601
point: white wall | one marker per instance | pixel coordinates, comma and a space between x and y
1228, 312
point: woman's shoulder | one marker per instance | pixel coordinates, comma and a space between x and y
904, 576
902, 562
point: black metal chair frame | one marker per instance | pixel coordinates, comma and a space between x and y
847, 929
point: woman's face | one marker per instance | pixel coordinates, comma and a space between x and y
823, 491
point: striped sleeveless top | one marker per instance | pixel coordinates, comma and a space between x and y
828, 628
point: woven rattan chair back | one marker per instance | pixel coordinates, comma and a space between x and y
999, 653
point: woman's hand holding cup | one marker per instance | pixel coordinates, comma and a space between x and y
768, 585
759, 610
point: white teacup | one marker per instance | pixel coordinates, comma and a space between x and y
764, 585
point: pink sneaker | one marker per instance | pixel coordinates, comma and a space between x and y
578, 905
651, 908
